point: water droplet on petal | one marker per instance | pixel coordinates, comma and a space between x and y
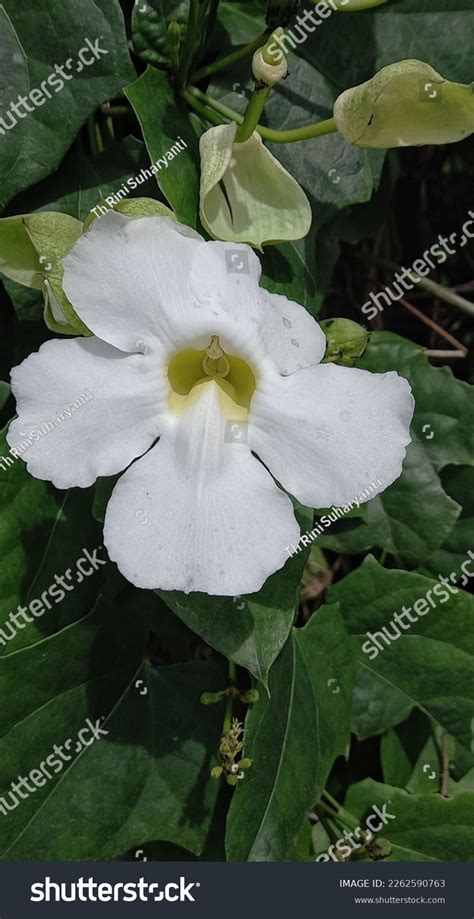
345, 416
295, 343
287, 323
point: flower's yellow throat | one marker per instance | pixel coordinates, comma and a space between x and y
191, 368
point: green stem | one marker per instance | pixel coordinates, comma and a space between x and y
438, 290
326, 823
194, 92
230, 698
283, 137
95, 137
191, 39
230, 59
252, 114
116, 111
341, 812
201, 109
319, 129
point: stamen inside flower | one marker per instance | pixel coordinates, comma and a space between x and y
190, 368
215, 363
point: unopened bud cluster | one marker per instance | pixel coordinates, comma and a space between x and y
230, 748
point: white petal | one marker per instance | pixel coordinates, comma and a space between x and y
199, 512
128, 279
293, 339
327, 432
84, 410
152, 284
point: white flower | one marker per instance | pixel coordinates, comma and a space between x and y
214, 388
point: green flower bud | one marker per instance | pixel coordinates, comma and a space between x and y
269, 64
231, 779
246, 195
216, 772
346, 339
210, 698
245, 763
405, 104
252, 695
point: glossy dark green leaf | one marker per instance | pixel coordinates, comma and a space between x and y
429, 663
33, 146
43, 534
145, 778
293, 737
420, 828
350, 47
76, 188
164, 121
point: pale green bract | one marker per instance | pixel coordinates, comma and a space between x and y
405, 105
246, 195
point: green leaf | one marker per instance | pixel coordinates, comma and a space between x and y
251, 630
82, 181
35, 142
76, 188
293, 737
147, 778
425, 828
350, 49
18, 256
43, 533
413, 517
4, 394
458, 482
401, 746
430, 665
163, 120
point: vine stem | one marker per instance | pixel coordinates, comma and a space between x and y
201, 109
95, 137
230, 59
190, 39
252, 114
230, 699
341, 812
194, 95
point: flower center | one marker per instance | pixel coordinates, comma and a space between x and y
190, 368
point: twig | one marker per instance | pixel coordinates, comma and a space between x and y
433, 325
432, 352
